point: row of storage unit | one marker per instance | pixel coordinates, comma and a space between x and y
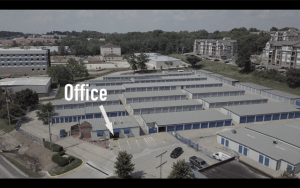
74, 115
129, 76
260, 147
171, 73
98, 82
261, 112
204, 72
137, 97
281, 96
199, 93
64, 104
170, 79
218, 77
170, 86
254, 88
229, 81
164, 107
218, 102
111, 90
178, 121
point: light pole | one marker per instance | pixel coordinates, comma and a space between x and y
49, 124
7, 106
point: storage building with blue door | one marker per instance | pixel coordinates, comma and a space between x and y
281, 96
129, 76
142, 87
273, 145
261, 112
164, 107
111, 90
218, 102
154, 96
123, 127
64, 104
254, 88
98, 82
199, 93
147, 80
179, 121
183, 78
74, 115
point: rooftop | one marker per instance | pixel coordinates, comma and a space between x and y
233, 98
213, 89
283, 94
153, 94
160, 104
181, 77
109, 45
255, 86
108, 88
65, 102
33, 81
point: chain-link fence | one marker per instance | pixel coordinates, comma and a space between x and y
59, 137
31, 136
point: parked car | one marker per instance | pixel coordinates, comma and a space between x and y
63, 133
195, 173
198, 162
221, 156
216, 60
176, 152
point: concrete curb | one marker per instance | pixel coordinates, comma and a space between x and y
16, 168
66, 172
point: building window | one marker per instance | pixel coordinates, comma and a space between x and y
38, 69
2, 64
32, 69
126, 130
99, 133
37, 59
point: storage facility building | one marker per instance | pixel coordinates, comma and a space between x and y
218, 102
254, 88
272, 145
261, 112
199, 93
110, 89
129, 76
74, 115
229, 81
281, 96
178, 121
183, 78
98, 82
216, 76
164, 107
171, 73
137, 97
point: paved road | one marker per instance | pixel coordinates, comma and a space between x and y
7, 170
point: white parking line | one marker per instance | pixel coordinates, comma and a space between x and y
137, 143
120, 147
146, 141
128, 144
150, 141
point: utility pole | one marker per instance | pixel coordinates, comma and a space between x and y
7, 107
51, 146
161, 164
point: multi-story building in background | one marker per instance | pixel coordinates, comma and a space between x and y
217, 48
110, 52
21, 62
290, 35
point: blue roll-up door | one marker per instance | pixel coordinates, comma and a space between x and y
123, 113
227, 123
266, 161
53, 120
66, 120
212, 124
90, 116
276, 116
57, 120
222, 141
82, 117
227, 143
120, 113
74, 119
196, 126
259, 118
245, 151
297, 103
115, 114
261, 159
70, 119
152, 130
170, 128
220, 124
188, 127
240, 149
62, 120
116, 130
127, 130
79, 118
179, 127
97, 115
100, 132
250, 119
268, 118
243, 119
291, 115
204, 125
297, 115
284, 116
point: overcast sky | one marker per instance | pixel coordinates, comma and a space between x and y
123, 21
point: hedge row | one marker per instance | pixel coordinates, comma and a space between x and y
62, 161
56, 148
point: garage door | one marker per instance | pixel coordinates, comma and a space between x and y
226, 93
297, 115
227, 123
212, 124
154, 99
268, 118
170, 128
263, 93
188, 127
165, 110
192, 108
291, 115
204, 125
179, 127
284, 116
144, 111
196, 126
186, 108
135, 100
157, 110
178, 109
276, 116
220, 94
220, 124
259, 118
243, 119
250, 119
269, 95
214, 94
152, 130
274, 96
155, 89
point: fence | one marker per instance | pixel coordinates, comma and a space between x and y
56, 138
31, 136
193, 145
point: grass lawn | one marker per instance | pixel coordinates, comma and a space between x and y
5, 127
23, 168
232, 71
61, 170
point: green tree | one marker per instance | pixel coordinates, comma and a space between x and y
15, 112
180, 170
288, 175
274, 29
131, 59
193, 60
45, 110
61, 50
26, 98
77, 68
61, 74
142, 59
123, 165
293, 78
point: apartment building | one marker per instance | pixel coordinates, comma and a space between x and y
217, 48
110, 52
284, 53
23, 62
290, 35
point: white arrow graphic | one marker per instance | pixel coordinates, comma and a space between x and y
108, 124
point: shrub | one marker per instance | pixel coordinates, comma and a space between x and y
54, 85
59, 160
56, 148
226, 61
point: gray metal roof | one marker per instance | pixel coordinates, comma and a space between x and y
109, 81
181, 77
258, 109
205, 71
31, 81
264, 145
120, 122
212, 90
255, 86
88, 110
217, 75
204, 82
185, 117
286, 133
153, 94
136, 75
233, 98
108, 88
283, 94
229, 79
179, 73
160, 104
65, 102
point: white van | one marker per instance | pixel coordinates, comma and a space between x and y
221, 156
180, 70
